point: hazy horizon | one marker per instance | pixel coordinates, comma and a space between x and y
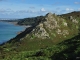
31, 8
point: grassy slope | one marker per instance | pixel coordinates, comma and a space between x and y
38, 49
66, 50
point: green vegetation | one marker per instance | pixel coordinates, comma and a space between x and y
66, 50
30, 21
63, 42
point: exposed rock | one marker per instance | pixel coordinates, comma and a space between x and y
65, 24
73, 20
47, 28
40, 32
50, 22
58, 31
64, 32
45, 38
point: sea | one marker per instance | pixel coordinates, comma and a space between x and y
8, 31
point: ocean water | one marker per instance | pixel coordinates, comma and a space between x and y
8, 31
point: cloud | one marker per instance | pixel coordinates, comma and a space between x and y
5, 10
77, 2
69, 9
8, 11
25, 11
43, 10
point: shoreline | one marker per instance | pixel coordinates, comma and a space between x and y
17, 33
16, 24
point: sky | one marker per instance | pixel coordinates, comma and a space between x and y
32, 8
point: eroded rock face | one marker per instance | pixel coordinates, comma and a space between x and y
62, 32
73, 20
50, 22
40, 32
46, 28
65, 23
52, 27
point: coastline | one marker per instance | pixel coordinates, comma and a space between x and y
17, 33
16, 24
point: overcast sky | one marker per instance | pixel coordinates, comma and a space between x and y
31, 8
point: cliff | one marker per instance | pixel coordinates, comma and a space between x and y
49, 31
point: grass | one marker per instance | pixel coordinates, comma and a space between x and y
57, 47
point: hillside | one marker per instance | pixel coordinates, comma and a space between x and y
51, 38
30, 21
75, 14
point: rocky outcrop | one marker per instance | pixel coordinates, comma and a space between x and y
40, 32
51, 22
46, 31
52, 27
73, 19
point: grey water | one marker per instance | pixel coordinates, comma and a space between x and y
8, 31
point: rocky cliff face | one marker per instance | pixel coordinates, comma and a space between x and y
54, 36
54, 27
50, 29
